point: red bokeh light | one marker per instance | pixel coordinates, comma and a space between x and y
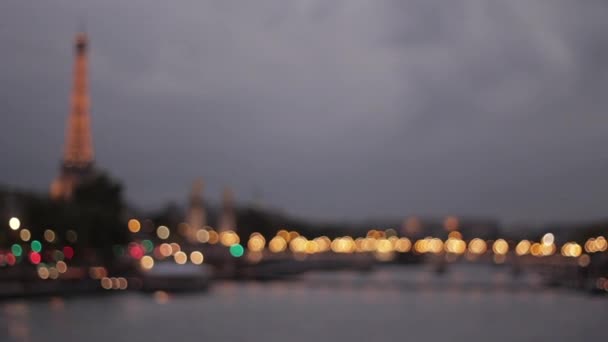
10, 259
136, 251
68, 252
35, 258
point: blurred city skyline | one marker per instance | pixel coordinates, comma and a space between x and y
352, 109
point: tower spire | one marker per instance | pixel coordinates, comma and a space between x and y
77, 160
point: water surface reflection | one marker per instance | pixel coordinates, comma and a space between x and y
466, 304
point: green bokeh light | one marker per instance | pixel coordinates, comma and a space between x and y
36, 246
237, 250
17, 250
148, 245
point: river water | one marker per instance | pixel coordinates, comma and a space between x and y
389, 304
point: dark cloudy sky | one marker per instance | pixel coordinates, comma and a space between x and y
327, 108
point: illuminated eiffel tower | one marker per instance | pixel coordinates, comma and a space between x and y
77, 162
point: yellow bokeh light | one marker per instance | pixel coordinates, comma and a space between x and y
421, 246
546, 250
98, 272
256, 242
49, 235
601, 244
393, 239
163, 232
536, 249
335, 245
500, 247
25, 234
477, 246
455, 246
571, 249
197, 257
214, 237
43, 273
376, 234
455, 235
368, 244
134, 225
344, 244
180, 258
106, 283
146, 262
53, 273
115, 283
548, 239
202, 236
435, 246
523, 247
358, 245
165, 250
566, 249
62, 267
350, 245
384, 246
403, 245
298, 244
277, 244
590, 246
293, 234
323, 243
122, 283
311, 247
229, 238
14, 223
175, 247
284, 234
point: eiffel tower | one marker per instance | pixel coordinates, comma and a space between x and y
77, 163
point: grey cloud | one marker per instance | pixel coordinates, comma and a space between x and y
332, 108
